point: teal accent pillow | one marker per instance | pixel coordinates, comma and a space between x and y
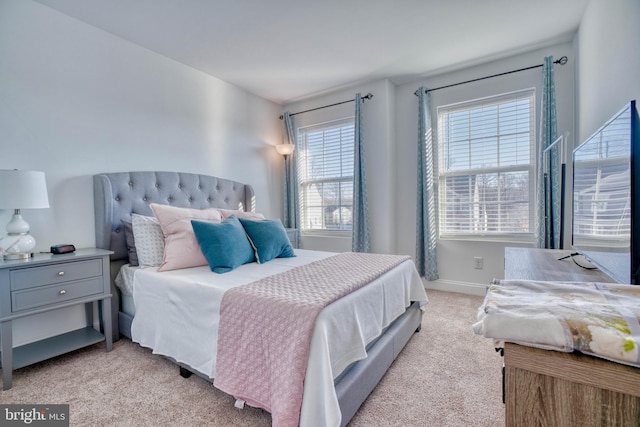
268, 238
224, 245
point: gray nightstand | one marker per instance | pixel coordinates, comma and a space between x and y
48, 282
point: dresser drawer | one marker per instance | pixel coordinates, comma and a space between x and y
54, 294
26, 278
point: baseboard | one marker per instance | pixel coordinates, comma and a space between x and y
455, 286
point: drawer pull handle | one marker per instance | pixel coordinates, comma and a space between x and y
62, 292
60, 273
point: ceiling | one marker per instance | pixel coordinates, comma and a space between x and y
286, 50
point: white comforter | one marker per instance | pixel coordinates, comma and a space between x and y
177, 316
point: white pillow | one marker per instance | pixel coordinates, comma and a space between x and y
226, 213
149, 240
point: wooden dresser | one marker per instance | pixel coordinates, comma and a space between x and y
550, 388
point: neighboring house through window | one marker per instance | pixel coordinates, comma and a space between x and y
485, 168
325, 176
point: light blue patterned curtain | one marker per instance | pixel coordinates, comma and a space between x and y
553, 195
426, 233
548, 134
291, 201
360, 240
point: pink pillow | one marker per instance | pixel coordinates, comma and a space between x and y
181, 249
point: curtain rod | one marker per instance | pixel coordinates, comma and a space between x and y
367, 96
563, 60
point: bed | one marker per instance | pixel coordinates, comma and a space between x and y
353, 373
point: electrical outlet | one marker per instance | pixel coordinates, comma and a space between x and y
478, 262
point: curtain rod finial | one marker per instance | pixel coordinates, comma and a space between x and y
563, 60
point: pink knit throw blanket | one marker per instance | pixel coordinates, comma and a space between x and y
265, 329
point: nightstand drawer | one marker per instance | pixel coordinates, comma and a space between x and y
26, 278
55, 294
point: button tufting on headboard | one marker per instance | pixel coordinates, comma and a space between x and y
118, 195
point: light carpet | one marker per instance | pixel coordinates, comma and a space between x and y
446, 376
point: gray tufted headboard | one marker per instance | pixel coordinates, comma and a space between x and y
118, 195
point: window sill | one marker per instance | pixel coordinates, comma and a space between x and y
504, 238
327, 234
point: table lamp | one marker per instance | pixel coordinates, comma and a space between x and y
20, 190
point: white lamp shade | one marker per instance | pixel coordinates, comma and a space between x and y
285, 149
23, 190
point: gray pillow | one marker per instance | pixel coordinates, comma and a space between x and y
131, 242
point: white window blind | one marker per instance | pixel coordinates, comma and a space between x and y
325, 175
485, 173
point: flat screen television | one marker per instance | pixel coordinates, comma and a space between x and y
606, 197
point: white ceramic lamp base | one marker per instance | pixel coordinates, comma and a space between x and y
18, 243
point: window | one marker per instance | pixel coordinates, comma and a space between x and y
485, 171
325, 175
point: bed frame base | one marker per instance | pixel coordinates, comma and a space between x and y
185, 373
124, 324
354, 385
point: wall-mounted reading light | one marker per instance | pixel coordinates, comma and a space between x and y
285, 149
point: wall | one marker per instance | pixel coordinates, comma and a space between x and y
608, 61
378, 119
76, 101
455, 257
